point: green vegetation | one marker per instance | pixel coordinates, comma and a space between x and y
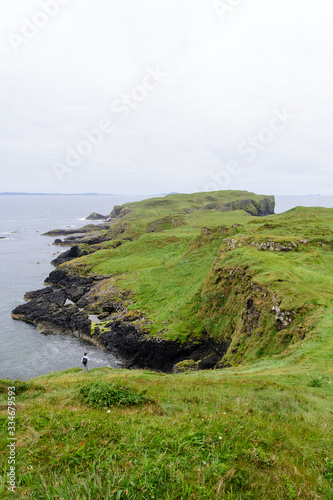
262, 284
241, 433
101, 394
260, 428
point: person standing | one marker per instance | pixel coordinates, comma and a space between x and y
84, 361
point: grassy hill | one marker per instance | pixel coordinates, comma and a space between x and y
262, 284
263, 432
261, 427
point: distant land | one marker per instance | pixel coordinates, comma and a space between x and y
7, 193
14, 193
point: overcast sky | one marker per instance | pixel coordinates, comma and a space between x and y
152, 96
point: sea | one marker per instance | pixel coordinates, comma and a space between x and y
25, 256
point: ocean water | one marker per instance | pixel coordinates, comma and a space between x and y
25, 258
286, 202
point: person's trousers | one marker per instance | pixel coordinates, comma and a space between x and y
85, 367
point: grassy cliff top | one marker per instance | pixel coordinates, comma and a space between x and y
177, 203
184, 204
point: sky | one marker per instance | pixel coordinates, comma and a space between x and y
157, 96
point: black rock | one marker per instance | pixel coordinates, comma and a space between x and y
73, 253
95, 216
140, 351
36, 294
49, 314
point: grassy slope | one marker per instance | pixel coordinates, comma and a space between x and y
260, 430
170, 272
258, 433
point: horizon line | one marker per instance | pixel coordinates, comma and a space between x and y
25, 193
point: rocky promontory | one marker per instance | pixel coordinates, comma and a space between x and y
66, 304
86, 296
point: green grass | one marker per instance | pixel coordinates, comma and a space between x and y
236, 434
260, 429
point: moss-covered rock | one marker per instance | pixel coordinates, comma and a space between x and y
164, 223
188, 365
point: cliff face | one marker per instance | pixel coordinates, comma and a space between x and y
191, 277
248, 316
264, 206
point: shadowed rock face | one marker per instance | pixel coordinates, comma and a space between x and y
47, 310
141, 351
119, 211
73, 253
262, 208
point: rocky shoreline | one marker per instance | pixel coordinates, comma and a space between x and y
66, 303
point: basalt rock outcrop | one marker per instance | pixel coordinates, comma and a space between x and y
73, 253
65, 305
139, 350
89, 234
47, 310
96, 216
